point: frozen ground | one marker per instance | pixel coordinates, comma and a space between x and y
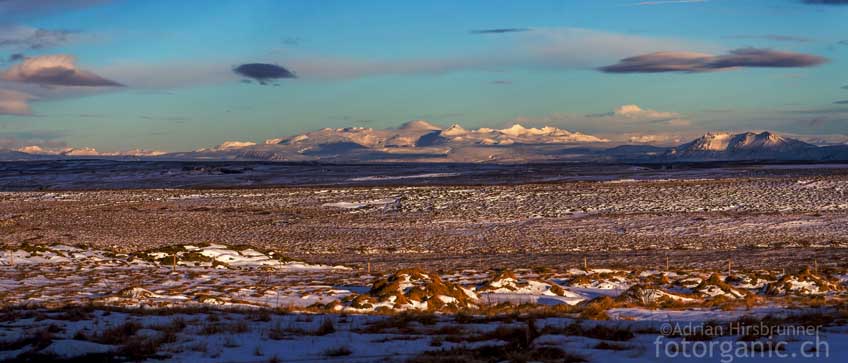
410, 263
215, 336
788, 220
212, 303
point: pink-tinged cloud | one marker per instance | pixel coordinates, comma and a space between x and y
14, 103
55, 70
692, 62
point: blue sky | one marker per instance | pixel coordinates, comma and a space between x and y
746, 64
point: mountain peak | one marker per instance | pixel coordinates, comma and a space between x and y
747, 145
515, 130
454, 130
419, 125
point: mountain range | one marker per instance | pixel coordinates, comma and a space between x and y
421, 141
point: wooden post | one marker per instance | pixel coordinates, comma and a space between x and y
11, 258
729, 267
585, 263
369, 265
667, 265
174, 264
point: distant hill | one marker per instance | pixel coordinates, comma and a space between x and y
421, 141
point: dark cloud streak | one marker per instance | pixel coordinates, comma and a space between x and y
499, 30
263, 72
689, 62
826, 2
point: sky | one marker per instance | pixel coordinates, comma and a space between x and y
181, 75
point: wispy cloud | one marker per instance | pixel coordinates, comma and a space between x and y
14, 103
773, 37
499, 30
556, 48
692, 62
667, 2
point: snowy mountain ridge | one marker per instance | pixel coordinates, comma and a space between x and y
422, 141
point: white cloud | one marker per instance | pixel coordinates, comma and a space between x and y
638, 115
636, 112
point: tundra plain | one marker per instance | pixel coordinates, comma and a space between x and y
424, 271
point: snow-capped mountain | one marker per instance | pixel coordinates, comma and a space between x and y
422, 133
417, 140
80, 152
744, 146
421, 141
516, 134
